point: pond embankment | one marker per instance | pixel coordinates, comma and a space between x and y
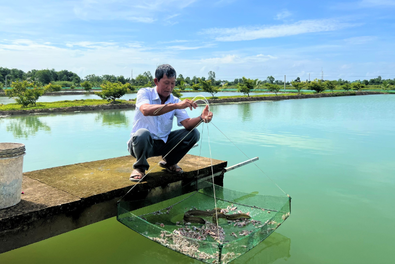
211, 101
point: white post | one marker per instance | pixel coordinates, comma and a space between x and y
285, 81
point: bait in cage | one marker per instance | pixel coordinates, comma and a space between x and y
190, 224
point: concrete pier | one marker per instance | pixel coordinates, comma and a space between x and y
61, 199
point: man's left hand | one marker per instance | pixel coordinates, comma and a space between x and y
207, 115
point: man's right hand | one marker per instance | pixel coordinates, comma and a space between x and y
187, 103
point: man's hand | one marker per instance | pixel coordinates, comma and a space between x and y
187, 103
207, 115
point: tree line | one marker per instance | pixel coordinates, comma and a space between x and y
67, 78
26, 88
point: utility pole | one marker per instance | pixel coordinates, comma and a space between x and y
285, 81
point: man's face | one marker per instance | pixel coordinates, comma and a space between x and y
165, 86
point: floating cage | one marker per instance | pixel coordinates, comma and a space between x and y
234, 235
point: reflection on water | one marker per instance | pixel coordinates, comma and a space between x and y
245, 111
113, 118
273, 248
25, 126
321, 145
334, 156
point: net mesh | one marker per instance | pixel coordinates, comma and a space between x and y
234, 235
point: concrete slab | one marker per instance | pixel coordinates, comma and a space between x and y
36, 196
60, 199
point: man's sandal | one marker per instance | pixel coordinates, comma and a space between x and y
175, 169
137, 175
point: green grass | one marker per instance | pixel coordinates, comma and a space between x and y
59, 104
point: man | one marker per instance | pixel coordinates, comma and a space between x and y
151, 133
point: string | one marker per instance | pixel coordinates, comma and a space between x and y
157, 164
155, 112
212, 180
249, 158
200, 151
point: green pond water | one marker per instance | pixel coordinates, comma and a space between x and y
334, 156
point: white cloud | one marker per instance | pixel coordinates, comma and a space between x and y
141, 19
251, 33
236, 59
372, 3
224, 2
100, 58
174, 41
170, 20
346, 66
155, 5
179, 47
221, 60
128, 10
81, 57
364, 4
89, 44
283, 14
359, 40
172, 16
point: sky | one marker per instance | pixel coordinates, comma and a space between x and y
352, 40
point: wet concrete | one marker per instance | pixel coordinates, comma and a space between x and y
61, 199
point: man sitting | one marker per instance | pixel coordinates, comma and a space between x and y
151, 134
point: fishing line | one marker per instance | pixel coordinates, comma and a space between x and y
249, 158
212, 180
163, 157
200, 151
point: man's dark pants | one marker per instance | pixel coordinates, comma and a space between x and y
142, 146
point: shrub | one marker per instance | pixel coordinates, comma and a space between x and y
346, 87
63, 83
357, 86
317, 86
208, 87
330, 85
385, 86
129, 87
196, 87
87, 86
274, 88
148, 84
25, 93
52, 88
112, 91
176, 93
246, 86
72, 87
298, 85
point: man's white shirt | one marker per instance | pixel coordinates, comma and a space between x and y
160, 126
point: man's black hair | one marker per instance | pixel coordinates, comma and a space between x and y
165, 69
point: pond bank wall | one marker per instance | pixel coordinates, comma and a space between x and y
211, 101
